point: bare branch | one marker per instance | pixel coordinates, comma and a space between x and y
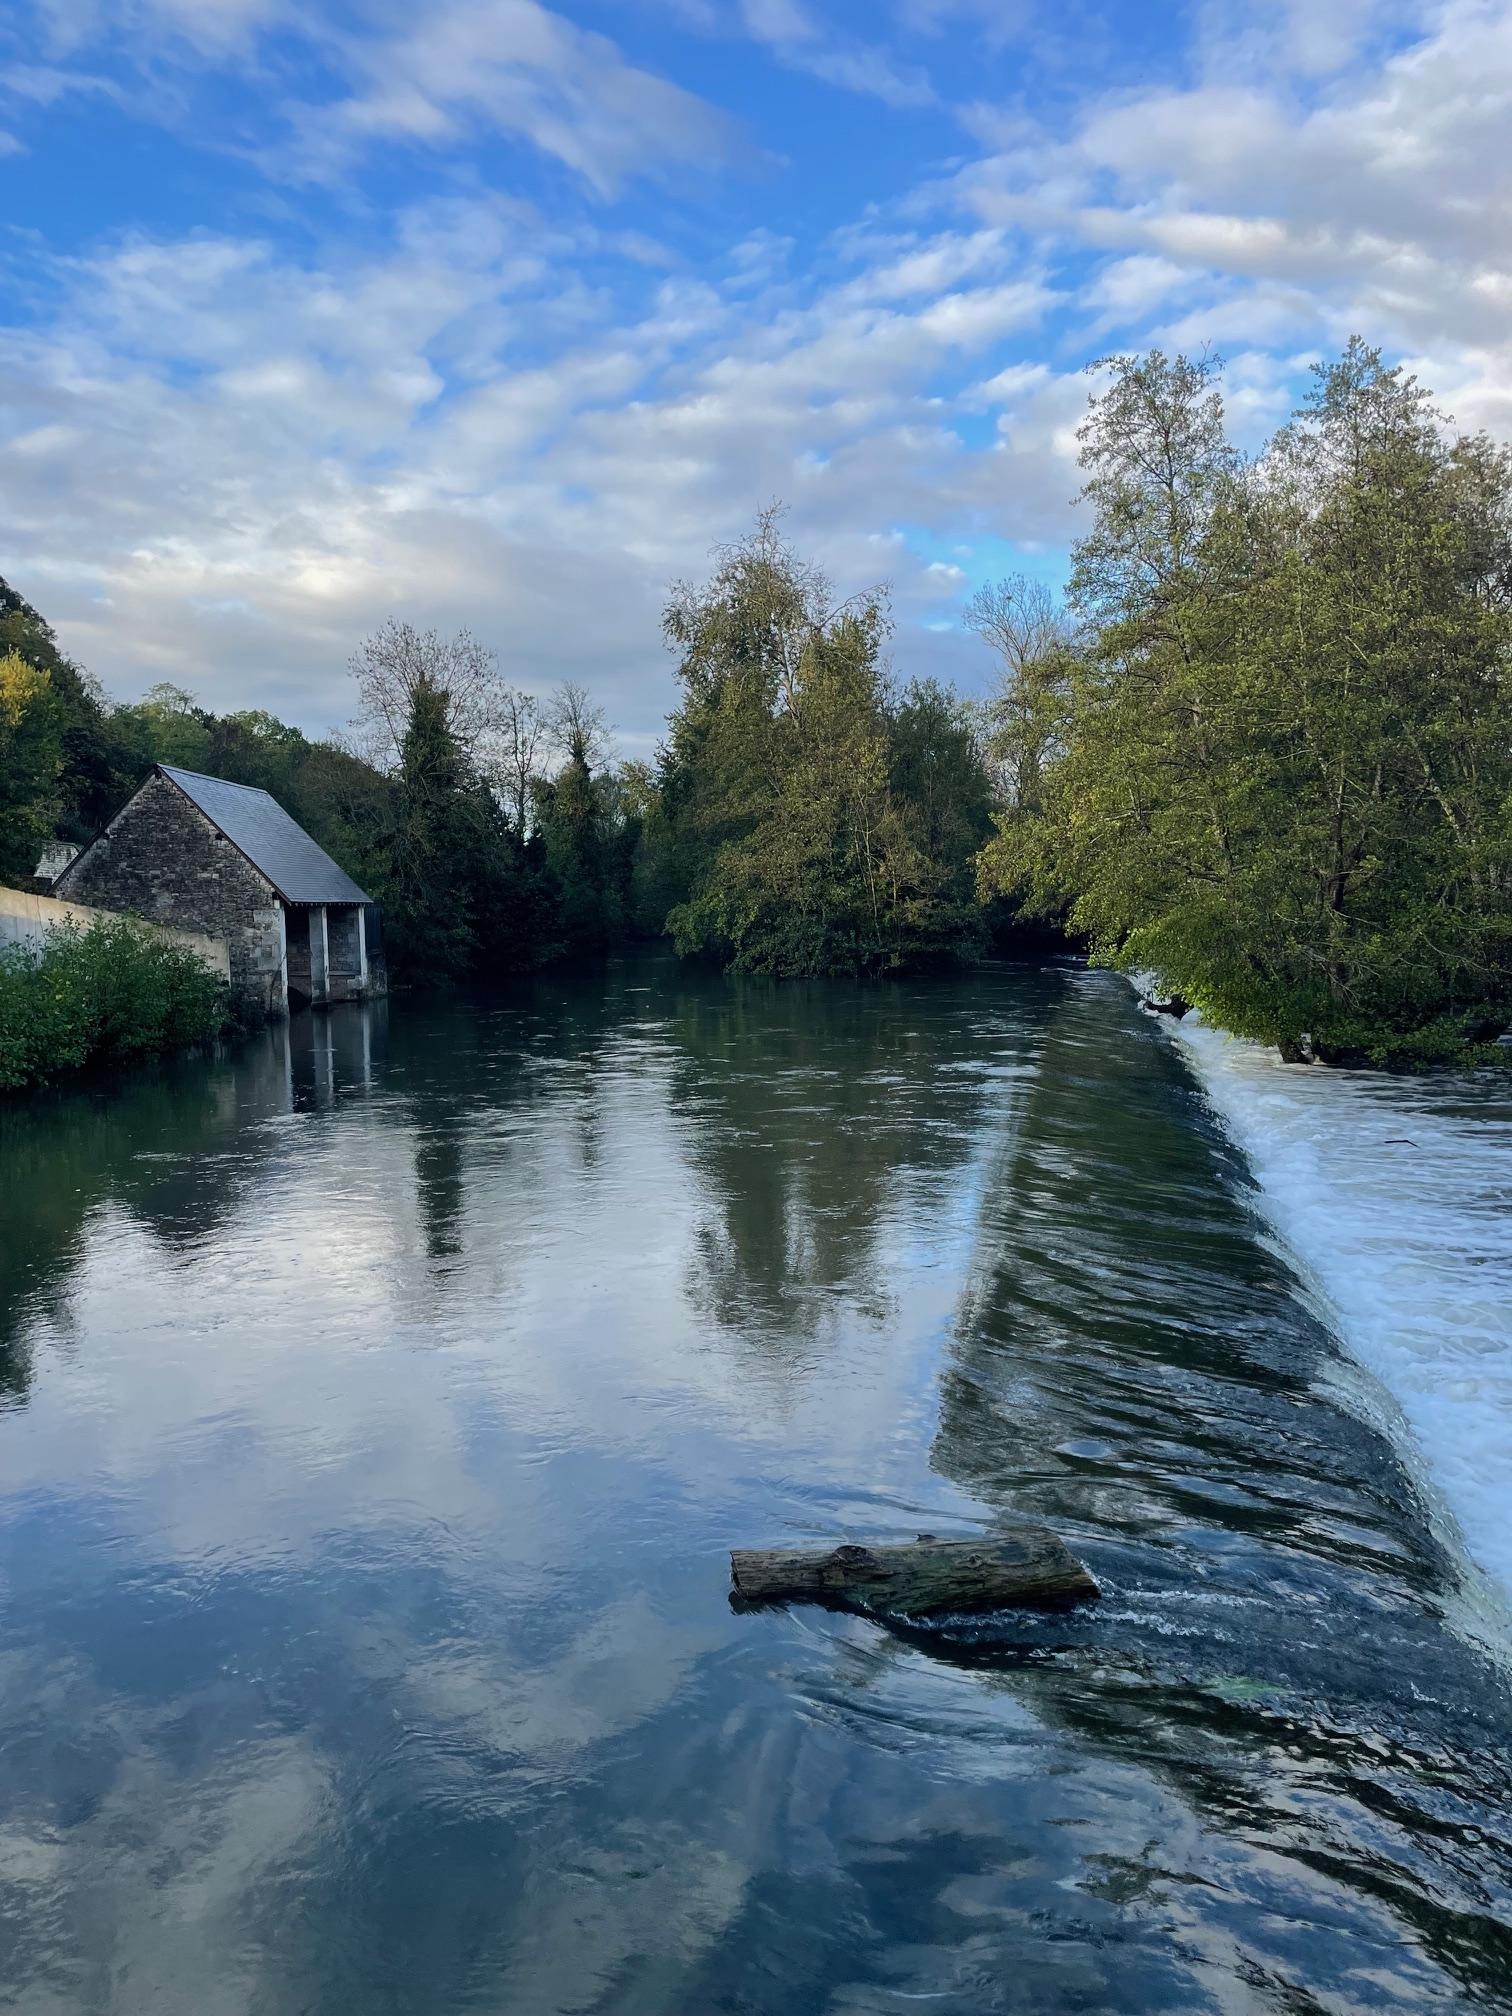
398, 661
576, 725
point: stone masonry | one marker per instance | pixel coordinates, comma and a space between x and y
161, 858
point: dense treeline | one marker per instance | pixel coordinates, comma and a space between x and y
803, 817
441, 804
1262, 750
1267, 752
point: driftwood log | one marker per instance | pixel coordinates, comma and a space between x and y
927, 1577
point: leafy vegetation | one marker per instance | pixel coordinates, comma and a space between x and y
1263, 750
105, 996
31, 758
813, 820
1271, 749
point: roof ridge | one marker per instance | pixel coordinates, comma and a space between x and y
208, 777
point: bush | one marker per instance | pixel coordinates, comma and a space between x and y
103, 996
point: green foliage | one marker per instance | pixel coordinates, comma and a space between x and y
31, 758
93, 775
811, 822
1284, 766
588, 829
463, 894
104, 996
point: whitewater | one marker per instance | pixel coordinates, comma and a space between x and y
1393, 1198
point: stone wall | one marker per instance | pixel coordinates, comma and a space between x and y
27, 919
161, 858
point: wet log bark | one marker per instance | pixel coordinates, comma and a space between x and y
927, 1577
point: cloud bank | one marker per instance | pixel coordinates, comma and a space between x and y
491, 318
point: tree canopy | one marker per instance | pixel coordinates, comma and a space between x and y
1283, 765
1262, 749
814, 820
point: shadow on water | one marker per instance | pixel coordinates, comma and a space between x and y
176, 1146
364, 1548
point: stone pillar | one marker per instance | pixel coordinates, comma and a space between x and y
280, 989
320, 956
348, 952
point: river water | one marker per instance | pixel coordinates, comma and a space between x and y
378, 1405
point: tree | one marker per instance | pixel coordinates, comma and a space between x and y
522, 748
580, 815
399, 662
1030, 635
31, 762
1287, 749
575, 724
806, 814
464, 895
428, 916
98, 769
937, 769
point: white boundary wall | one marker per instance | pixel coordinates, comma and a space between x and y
26, 920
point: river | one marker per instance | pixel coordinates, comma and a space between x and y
378, 1405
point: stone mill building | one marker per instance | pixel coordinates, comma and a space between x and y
227, 860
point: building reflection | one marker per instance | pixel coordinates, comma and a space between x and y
179, 1145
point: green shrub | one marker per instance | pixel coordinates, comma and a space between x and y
99, 997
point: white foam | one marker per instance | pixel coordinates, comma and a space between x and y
1393, 1197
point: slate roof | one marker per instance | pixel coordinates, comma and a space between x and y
258, 826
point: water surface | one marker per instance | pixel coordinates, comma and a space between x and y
1394, 1195
378, 1406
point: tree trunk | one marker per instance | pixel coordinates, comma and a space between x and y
1029, 1567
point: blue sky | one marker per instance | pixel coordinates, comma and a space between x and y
501, 313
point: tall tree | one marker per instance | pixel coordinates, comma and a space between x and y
1288, 746
398, 664
429, 919
1030, 635
580, 816
31, 763
802, 805
523, 744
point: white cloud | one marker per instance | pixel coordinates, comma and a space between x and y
512, 67
1245, 210
1129, 289
802, 37
229, 465
228, 460
941, 262
462, 69
211, 27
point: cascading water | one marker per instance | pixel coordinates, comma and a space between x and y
1394, 1196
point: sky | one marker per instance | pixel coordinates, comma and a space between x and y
504, 314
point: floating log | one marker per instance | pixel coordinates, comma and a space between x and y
928, 1577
